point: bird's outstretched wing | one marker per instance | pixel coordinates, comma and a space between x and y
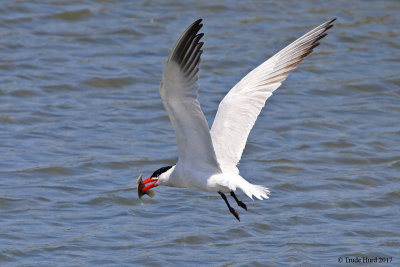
240, 108
179, 90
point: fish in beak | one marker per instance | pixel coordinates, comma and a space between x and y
144, 189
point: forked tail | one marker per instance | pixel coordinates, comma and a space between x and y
259, 191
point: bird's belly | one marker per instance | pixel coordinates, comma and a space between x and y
200, 181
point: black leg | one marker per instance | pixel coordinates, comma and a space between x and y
240, 203
232, 210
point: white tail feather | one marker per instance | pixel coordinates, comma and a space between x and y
259, 191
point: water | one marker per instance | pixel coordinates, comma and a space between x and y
81, 118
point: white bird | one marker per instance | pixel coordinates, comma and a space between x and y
207, 158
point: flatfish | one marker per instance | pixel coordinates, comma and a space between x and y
140, 186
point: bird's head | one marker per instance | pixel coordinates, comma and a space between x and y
144, 186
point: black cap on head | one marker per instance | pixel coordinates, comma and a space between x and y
160, 171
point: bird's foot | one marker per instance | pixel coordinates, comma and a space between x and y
234, 212
241, 204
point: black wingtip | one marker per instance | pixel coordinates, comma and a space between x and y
184, 43
330, 23
197, 23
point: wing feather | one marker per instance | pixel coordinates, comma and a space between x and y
179, 90
240, 108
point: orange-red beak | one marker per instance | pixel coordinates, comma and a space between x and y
150, 186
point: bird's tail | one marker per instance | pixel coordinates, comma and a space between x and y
259, 191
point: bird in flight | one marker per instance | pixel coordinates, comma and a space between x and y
207, 159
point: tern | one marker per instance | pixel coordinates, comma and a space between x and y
207, 159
